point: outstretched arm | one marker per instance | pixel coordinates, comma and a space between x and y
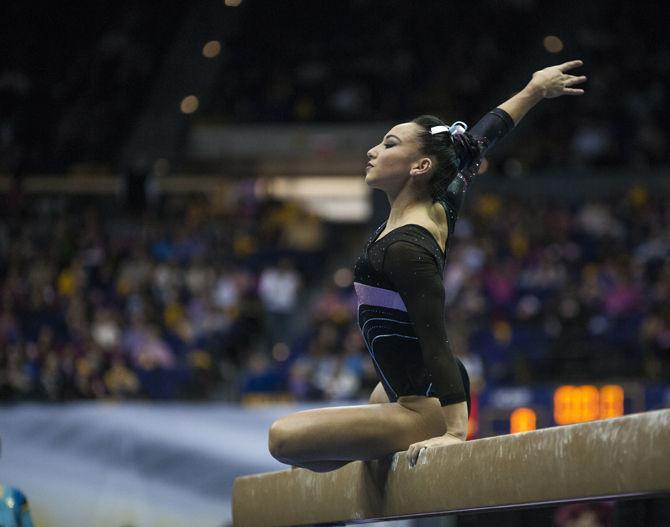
547, 83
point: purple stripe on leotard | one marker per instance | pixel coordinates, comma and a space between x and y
376, 296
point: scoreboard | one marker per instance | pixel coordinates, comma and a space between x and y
505, 410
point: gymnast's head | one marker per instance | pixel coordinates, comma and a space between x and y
412, 156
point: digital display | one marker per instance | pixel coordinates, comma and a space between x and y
504, 410
578, 404
522, 420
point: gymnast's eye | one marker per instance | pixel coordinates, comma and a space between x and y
389, 145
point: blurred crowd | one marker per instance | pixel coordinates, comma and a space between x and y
161, 305
301, 61
183, 302
536, 292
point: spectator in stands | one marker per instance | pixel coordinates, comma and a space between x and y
278, 288
146, 323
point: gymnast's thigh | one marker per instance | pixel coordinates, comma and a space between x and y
360, 432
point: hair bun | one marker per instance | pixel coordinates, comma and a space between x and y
467, 149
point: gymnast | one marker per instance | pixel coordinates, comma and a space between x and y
423, 397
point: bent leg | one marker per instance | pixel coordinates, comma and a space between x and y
349, 433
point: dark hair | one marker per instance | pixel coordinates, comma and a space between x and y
452, 153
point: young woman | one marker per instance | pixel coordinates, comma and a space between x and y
422, 400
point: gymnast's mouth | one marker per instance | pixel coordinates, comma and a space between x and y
369, 165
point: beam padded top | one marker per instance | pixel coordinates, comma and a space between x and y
625, 456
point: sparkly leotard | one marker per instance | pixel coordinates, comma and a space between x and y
401, 298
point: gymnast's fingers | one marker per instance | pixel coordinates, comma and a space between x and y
411, 457
413, 454
570, 65
573, 91
572, 80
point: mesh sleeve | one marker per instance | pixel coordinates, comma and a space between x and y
489, 130
415, 273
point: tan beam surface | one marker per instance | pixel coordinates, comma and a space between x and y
626, 456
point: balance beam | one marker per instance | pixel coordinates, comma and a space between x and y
614, 458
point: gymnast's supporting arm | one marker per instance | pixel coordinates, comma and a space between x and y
545, 84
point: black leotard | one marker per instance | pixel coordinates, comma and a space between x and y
401, 298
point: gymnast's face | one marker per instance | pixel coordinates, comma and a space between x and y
393, 161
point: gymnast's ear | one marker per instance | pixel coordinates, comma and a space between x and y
421, 167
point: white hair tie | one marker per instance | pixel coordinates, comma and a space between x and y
456, 128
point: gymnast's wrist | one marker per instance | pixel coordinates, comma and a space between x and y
533, 92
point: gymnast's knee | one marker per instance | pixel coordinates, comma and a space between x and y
279, 441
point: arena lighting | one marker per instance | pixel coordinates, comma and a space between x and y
553, 44
211, 49
578, 404
522, 420
313, 186
334, 198
232, 3
343, 277
189, 104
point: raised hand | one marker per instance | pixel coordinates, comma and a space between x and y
553, 81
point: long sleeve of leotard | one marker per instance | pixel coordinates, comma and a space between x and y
489, 129
414, 272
